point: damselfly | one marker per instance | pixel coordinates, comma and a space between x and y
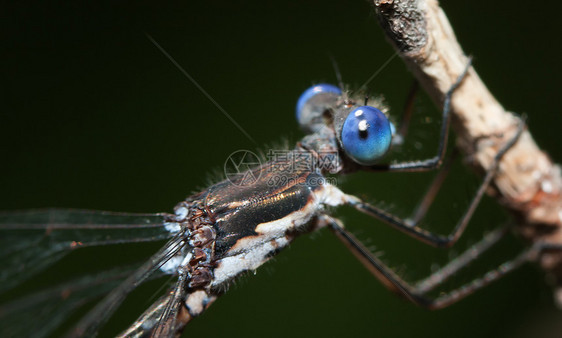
167, 162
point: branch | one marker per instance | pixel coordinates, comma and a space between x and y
528, 183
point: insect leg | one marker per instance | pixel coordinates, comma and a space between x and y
392, 281
464, 259
459, 293
431, 193
409, 226
402, 128
434, 162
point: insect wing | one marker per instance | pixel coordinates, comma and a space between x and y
40, 313
31, 241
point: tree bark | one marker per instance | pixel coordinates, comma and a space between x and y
528, 183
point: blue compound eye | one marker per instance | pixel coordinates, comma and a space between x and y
315, 91
366, 135
314, 101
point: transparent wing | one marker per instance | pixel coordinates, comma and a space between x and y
38, 314
96, 317
32, 240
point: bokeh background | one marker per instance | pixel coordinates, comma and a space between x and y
94, 116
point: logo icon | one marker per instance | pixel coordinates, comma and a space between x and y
238, 168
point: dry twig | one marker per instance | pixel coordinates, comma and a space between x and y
528, 183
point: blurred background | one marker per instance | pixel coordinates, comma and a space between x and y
94, 116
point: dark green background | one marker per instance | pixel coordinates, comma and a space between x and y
93, 116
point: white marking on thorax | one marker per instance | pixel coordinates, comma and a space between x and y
276, 229
196, 302
232, 266
181, 213
171, 266
332, 196
251, 252
172, 227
